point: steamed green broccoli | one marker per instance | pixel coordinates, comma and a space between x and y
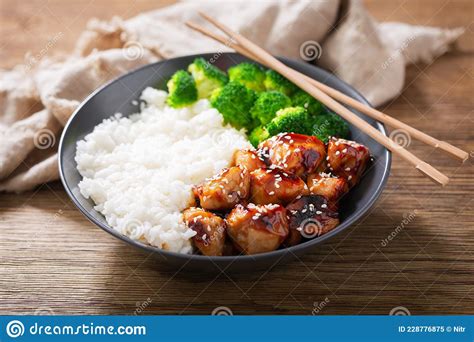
258, 135
267, 104
182, 89
250, 75
275, 81
303, 99
329, 125
234, 102
290, 120
207, 77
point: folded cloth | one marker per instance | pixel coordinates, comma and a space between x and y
36, 99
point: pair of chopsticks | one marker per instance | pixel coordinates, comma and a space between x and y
328, 97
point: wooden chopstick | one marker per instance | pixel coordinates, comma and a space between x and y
369, 111
290, 74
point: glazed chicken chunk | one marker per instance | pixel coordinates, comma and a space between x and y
224, 190
295, 153
327, 185
347, 159
248, 159
275, 186
257, 229
309, 217
209, 228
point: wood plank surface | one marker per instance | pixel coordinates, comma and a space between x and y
52, 260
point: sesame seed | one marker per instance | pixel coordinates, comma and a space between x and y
271, 193
349, 178
324, 205
344, 150
318, 212
338, 153
348, 168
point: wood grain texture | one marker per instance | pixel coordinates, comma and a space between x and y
54, 261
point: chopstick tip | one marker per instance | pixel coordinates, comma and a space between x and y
434, 174
202, 14
190, 24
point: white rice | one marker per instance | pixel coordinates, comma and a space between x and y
139, 170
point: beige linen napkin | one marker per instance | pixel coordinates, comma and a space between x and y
36, 99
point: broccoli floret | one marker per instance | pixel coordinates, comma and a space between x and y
207, 77
250, 75
267, 104
182, 89
329, 125
290, 120
234, 102
275, 81
303, 99
258, 135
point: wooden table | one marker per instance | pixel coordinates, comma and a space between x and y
54, 261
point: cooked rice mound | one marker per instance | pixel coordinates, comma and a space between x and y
139, 170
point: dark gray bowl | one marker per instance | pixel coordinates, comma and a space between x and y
117, 96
